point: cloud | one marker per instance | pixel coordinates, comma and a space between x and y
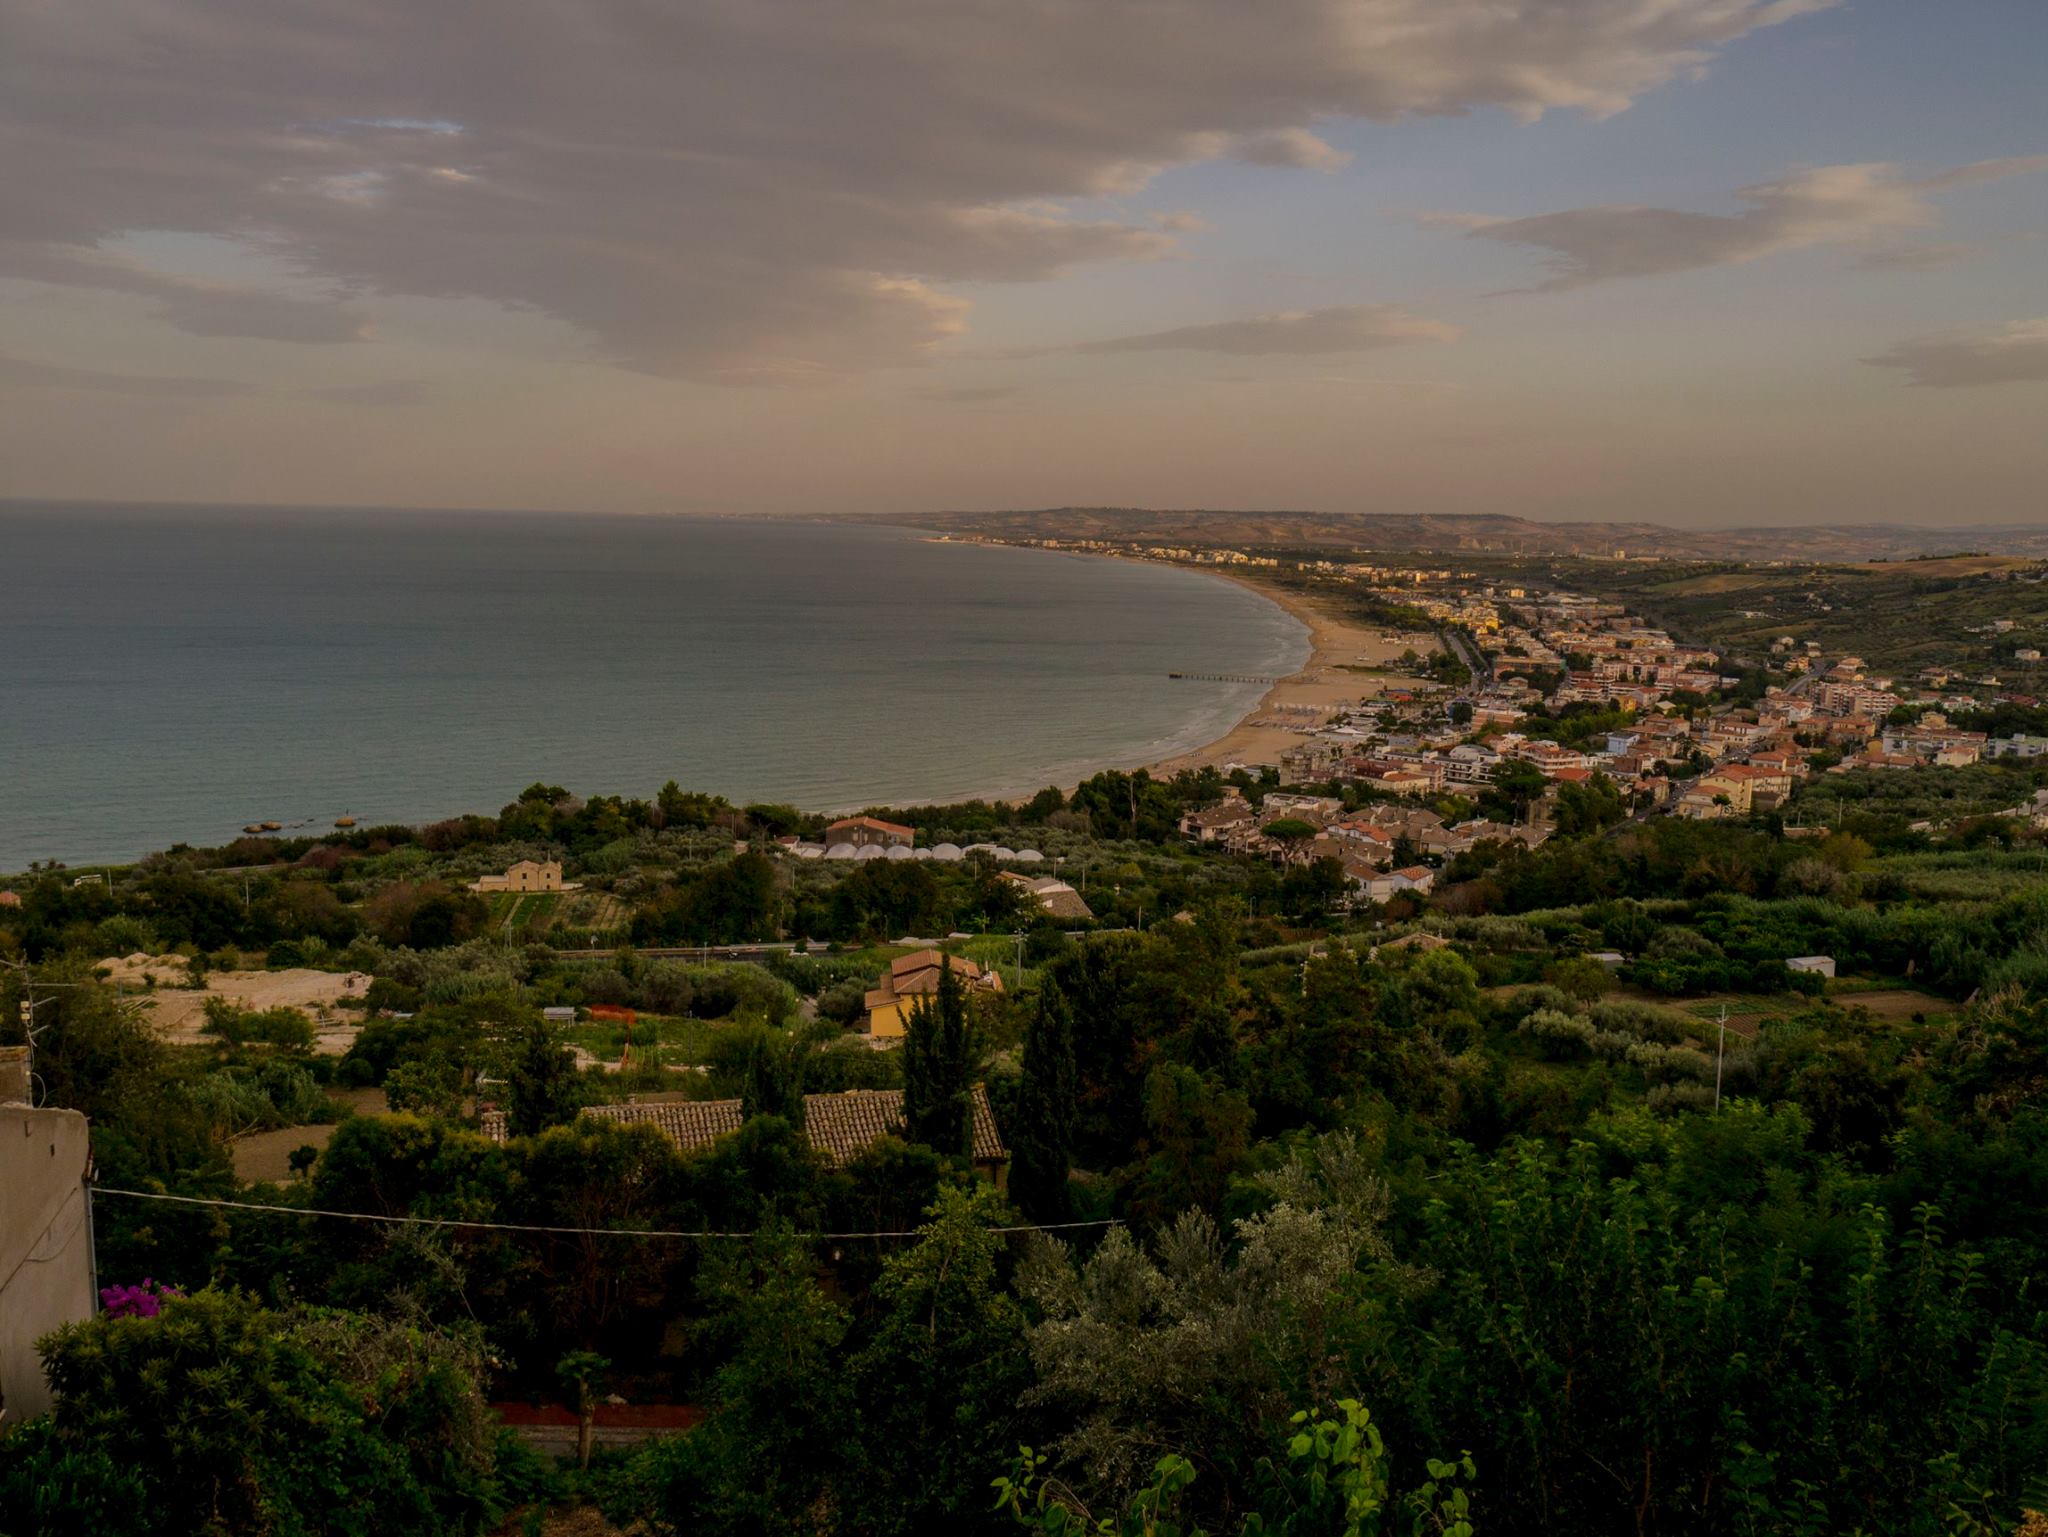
2015, 353
1293, 333
186, 304
1917, 255
52, 376
971, 394
743, 190
380, 392
1296, 148
1836, 205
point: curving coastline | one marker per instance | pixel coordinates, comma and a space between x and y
1324, 681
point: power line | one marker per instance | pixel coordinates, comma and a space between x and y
526, 1227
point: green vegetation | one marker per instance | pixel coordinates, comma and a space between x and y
1452, 1214
1902, 615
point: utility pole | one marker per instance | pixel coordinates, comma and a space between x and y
1719, 1053
29, 1004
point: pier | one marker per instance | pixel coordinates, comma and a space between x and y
1224, 677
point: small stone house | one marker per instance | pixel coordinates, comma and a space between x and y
526, 875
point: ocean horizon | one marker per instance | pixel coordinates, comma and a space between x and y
175, 672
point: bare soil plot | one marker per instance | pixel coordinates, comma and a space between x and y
266, 1155
178, 1013
1896, 1003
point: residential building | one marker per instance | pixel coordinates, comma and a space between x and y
1233, 814
1052, 895
917, 976
870, 832
526, 875
1393, 883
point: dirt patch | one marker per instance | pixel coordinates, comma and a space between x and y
266, 1155
1896, 1003
574, 1521
179, 1012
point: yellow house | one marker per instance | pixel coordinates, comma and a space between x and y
917, 976
1725, 782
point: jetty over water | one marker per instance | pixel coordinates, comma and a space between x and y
1224, 677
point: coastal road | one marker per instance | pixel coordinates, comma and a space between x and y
687, 952
1469, 654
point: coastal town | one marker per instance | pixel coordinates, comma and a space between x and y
1395, 760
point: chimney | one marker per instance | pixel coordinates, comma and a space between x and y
13, 1075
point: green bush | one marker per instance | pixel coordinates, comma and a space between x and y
220, 1416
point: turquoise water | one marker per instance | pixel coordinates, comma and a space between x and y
169, 674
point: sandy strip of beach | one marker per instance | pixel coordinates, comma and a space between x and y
1327, 681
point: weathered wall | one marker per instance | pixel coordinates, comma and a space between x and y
45, 1244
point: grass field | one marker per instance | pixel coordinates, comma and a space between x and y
523, 914
564, 917
672, 1042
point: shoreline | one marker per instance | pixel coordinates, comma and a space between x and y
1322, 684
1310, 694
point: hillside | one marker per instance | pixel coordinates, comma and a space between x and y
1496, 533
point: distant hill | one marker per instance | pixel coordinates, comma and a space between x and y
1492, 533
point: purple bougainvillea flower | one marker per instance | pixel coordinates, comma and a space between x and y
144, 1301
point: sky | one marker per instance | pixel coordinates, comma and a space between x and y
1701, 262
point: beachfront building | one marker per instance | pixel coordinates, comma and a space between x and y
869, 832
526, 875
1215, 824
913, 976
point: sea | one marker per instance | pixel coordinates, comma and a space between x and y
169, 674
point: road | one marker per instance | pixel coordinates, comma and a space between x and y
689, 952
1470, 655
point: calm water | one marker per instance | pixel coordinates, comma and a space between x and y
170, 674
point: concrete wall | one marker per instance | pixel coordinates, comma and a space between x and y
45, 1245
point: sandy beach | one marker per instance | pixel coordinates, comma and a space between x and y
1330, 679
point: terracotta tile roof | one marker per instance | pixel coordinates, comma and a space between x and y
874, 825
918, 972
840, 1126
918, 960
693, 1123
689, 1124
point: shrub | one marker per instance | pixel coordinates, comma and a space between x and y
219, 1415
1667, 1098
1560, 1036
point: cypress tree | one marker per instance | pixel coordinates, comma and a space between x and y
1043, 1138
938, 1068
543, 1090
